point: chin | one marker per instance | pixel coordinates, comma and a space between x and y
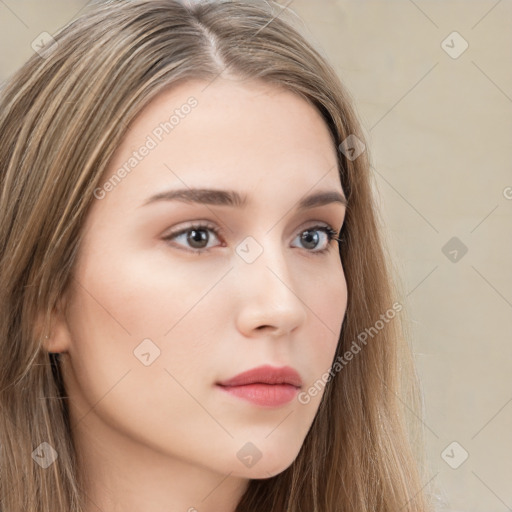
270, 467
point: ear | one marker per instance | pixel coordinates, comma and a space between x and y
58, 337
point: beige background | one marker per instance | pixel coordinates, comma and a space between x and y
439, 131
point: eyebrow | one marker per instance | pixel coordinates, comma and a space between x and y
234, 199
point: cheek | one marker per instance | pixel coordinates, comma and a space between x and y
327, 305
147, 294
327, 300
333, 293
125, 315
143, 309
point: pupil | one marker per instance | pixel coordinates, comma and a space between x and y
310, 236
198, 236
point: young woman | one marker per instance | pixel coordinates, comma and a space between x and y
198, 311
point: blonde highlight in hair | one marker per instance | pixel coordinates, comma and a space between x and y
62, 116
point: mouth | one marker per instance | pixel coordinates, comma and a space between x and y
265, 386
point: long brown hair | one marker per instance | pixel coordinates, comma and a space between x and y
62, 116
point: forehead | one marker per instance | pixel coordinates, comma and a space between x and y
229, 134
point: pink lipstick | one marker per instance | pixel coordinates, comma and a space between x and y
266, 386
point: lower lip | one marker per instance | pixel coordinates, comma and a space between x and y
268, 395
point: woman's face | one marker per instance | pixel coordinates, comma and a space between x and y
173, 296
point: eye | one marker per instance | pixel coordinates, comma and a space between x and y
196, 237
310, 238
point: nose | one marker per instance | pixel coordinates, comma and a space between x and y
269, 300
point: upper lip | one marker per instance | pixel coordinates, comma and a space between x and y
266, 375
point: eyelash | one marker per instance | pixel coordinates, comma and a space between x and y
332, 234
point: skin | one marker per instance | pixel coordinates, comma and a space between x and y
163, 437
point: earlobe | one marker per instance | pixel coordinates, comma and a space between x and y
55, 344
57, 338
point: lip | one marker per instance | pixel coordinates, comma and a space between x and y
266, 385
266, 375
